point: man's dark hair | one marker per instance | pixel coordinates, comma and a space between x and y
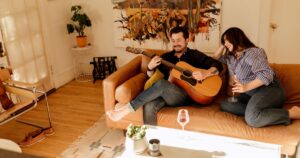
179, 29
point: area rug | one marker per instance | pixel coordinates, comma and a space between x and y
98, 141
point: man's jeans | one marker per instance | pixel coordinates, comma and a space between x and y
261, 106
162, 93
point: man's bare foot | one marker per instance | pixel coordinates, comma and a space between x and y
294, 112
118, 114
120, 106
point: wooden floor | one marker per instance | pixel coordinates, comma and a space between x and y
74, 108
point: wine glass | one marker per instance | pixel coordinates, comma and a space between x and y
233, 99
183, 117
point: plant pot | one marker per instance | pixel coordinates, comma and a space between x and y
138, 146
81, 41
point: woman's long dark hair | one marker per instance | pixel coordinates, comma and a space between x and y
237, 38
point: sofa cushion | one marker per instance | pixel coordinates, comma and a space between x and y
288, 76
125, 92
154, 78
210, 119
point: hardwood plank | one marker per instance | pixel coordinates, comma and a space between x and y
73, 108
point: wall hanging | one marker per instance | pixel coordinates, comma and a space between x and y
146, 23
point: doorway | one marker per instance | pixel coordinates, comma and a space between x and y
23, 41
285, 33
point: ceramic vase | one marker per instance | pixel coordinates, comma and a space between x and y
138, 145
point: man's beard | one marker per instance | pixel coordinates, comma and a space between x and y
178, 49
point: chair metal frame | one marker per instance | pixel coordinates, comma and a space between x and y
33, 89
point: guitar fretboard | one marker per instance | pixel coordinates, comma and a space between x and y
171, 65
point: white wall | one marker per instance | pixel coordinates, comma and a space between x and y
243, 14
251, 16
55, 14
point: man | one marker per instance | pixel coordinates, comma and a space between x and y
164, 93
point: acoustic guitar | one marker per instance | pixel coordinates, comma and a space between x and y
201, 92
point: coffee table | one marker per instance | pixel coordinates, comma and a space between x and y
176, 143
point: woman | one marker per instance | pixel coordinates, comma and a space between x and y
261, 96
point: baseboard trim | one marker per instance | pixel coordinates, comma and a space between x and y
64, 77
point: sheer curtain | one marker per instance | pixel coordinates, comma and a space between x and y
23, 40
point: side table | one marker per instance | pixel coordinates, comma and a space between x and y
79, 53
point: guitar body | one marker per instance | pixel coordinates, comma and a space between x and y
201, 92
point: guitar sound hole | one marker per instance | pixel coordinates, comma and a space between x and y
190, 80
187, 73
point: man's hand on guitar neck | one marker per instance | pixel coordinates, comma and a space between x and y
154, 62
202, 74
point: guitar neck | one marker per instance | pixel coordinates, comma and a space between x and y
164, 62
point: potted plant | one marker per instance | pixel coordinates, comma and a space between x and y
137, 133
80, 22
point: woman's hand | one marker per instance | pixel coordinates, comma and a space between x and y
154, 62
219, 52
238, 87
242, 88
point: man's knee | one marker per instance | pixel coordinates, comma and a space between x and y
160, 82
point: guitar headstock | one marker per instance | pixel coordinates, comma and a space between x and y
134, 50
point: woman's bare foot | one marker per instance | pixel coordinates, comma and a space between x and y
119, 113
294, 112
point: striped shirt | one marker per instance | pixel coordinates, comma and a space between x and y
252, 64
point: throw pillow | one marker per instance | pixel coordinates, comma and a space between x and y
154, 78
5, 102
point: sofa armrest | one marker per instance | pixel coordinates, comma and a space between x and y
117, 78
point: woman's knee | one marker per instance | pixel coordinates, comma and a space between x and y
253, 120
234, 108
225, 106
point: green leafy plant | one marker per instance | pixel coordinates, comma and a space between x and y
136, 132
80, 21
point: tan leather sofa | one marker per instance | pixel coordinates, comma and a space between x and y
123, 85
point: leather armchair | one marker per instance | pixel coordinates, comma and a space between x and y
25, 97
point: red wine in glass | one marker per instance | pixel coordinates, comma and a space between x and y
183, 117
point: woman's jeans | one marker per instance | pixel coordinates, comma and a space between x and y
162, 93
261, 106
